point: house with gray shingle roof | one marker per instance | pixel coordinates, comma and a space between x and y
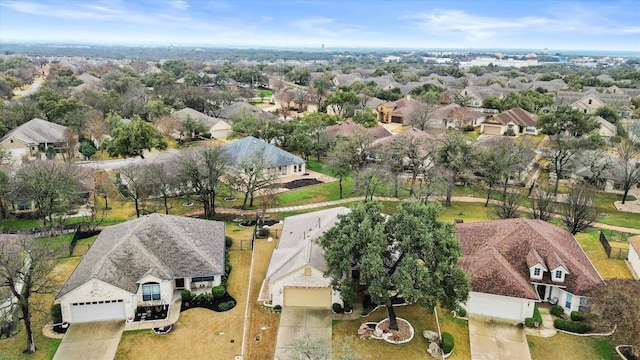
295, 276
276, 160
33, 138
240, 108
218, 128
514, 263
141, 263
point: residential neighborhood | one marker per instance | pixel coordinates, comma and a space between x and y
325, 203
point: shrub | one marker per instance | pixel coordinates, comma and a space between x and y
578, 316
186, 295
337, 308
56, 313
218, 291
557, 310
228, 242
469, 128
447, 342
572, 326
228, 305
536, 315
529, 322
277, 308
462, 312
347, 308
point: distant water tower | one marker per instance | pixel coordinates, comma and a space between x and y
322, 46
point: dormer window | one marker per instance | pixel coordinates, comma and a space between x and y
558, 274
536, 272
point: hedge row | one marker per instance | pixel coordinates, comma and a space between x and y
572, 326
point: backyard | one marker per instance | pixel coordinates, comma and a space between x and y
570, 347
608, 268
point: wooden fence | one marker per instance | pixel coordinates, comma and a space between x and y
613, 252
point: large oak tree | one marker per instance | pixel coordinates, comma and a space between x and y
409, 254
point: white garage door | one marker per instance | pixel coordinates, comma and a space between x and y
495, 307
97, 311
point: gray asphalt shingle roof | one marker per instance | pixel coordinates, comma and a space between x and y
38, 131
165, 246
250, 148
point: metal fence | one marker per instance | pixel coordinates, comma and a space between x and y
612, 252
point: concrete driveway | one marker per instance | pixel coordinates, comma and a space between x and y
91, 341
298, 322
491, 340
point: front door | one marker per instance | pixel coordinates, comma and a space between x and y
542, 289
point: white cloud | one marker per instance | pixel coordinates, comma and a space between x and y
317, 26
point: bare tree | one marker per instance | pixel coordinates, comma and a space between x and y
51, 187
628, 167
27, 268
579, 212
164, 182
284, 99
104, 186
617, 302
96, 128
542, 204
371, 179
250, 176
455, 156
135, 183
200, 173
167, 124
70, 146
355, 152
420, 115
508, 207
300, 97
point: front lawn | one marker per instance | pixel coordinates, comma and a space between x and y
199, 333
569, 347
346, 331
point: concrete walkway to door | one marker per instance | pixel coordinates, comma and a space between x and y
492, 340
91, 341
298, 322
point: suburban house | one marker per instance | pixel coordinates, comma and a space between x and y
243, 108
633, 256
395, 111
516, 121
142, 263
454, 116
348, 128
32, 139
514, 263
295, 276
606, 129
218, 128
250, 149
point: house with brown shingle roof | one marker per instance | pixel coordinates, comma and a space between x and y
348, 128
395, 111
454, 116
514, 263
517, 121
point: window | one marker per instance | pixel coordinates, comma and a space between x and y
202, 278
180, 283
590, 101
583, 304
568, 302
307, 271
536, 272
558, 274
150, 291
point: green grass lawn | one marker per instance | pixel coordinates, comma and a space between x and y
568, 347
608, 268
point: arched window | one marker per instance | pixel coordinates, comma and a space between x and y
150, 291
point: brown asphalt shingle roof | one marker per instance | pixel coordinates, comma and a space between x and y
494, 254
517, 116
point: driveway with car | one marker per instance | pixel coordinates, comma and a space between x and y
494, 340
89, 341
297, 322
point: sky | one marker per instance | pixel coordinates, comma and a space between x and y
605, 25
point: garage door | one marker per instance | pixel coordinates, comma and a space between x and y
220, 134
495, 307
97, 311
492, 130
310, 297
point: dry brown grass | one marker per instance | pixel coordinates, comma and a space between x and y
12, 348
460, 330
199, 333
259, 317
420, 318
